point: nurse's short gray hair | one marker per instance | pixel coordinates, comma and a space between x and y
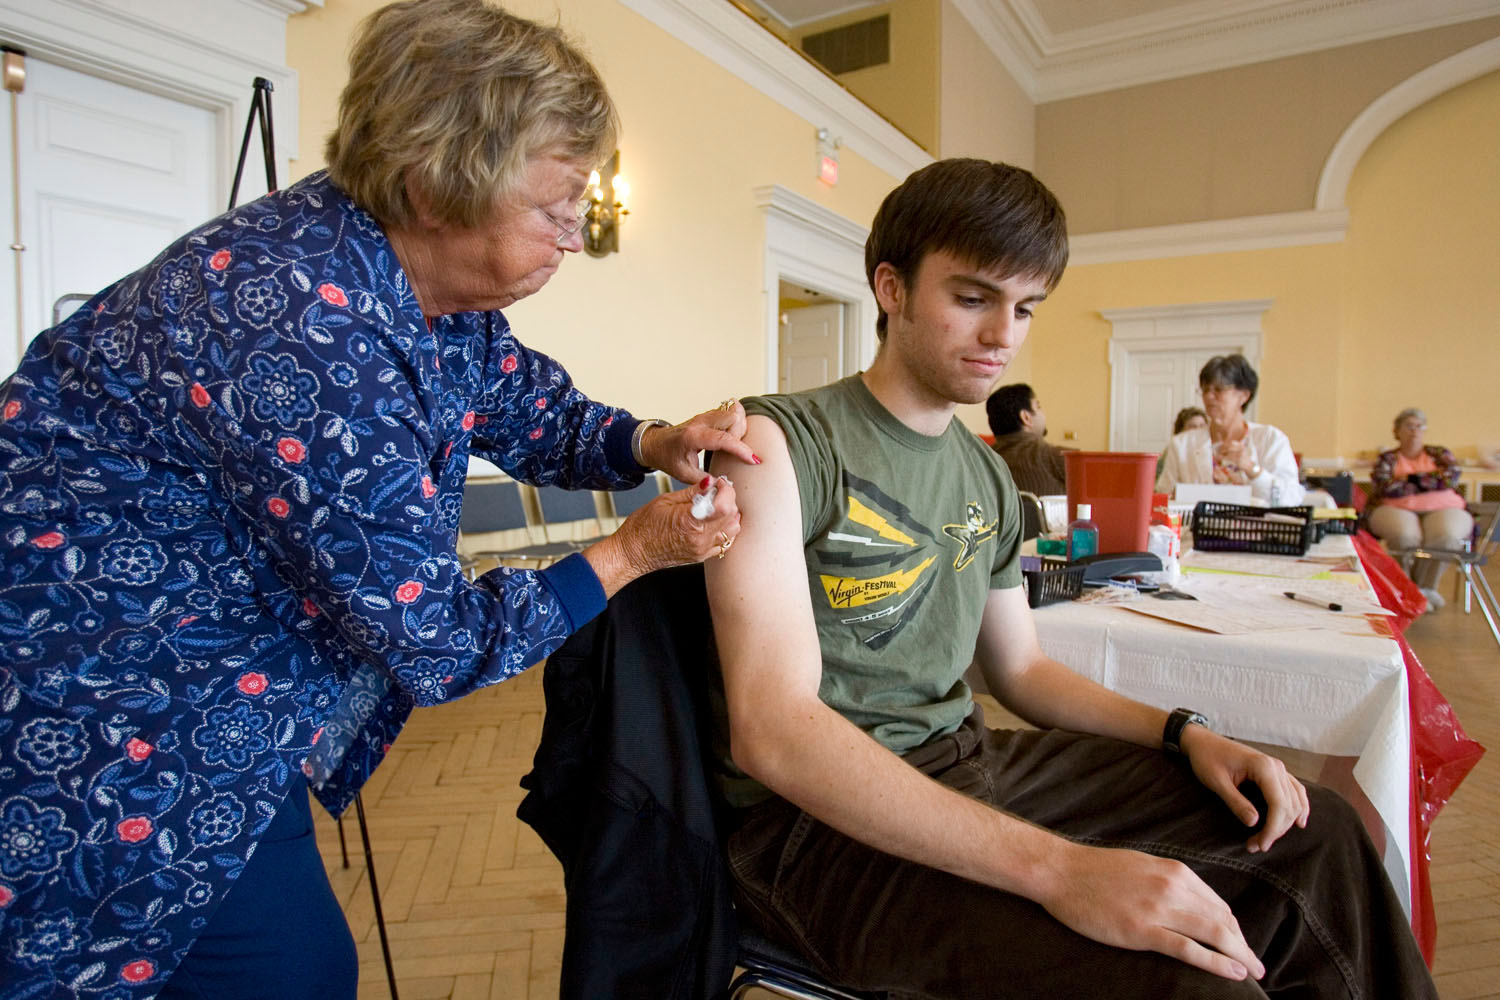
455, 97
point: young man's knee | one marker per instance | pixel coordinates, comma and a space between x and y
1333, 819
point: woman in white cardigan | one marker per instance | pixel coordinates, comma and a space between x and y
1232, 449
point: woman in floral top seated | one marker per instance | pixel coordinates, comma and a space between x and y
229, 495
1413, 485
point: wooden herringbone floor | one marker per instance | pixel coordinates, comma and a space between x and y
474, 902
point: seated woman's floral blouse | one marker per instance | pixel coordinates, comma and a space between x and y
1427, 482
230, 488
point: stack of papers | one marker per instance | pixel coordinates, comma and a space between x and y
1235, 605
1198, 561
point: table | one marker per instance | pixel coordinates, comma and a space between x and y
1340, 695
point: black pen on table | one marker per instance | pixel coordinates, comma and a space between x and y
1315, 602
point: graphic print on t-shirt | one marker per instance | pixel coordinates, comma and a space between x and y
970, 534
884, 568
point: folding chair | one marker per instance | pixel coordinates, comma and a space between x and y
1470, 561
773, 968
638, 668
496, 525
569, 515
623, 503
1033, 517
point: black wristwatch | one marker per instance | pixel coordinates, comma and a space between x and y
1180, 719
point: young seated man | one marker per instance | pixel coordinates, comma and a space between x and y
885, 833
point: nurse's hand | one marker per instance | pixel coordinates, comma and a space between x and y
675, 450
664, 533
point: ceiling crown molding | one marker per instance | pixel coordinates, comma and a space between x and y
1190, 239
1190, 38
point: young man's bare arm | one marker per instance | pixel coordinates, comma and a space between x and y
783, 735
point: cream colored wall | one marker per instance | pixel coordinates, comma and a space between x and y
983, 111
1402, 313
1244, 141
674, 322
1422, 279
1070, 340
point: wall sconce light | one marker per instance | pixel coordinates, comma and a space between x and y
609, 193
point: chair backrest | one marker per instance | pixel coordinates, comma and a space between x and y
621, 794
568, 515
649, 901
1033, 520
495, 518
623, 503
492, 505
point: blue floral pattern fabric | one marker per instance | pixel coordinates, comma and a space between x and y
230, 487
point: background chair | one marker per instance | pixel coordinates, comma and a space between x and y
568, 515
496, 526
364, 836
623, 503
1033, 518
1474, 557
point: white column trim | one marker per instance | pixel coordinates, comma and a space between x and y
1253, 232
1338, 169
808, 244
733, 41
151, 46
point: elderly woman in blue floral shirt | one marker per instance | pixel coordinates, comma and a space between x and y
229, 494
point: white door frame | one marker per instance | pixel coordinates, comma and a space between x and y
816, 248
208, 59
1224, 327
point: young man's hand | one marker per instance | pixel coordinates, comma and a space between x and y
1138, 901
1223, 765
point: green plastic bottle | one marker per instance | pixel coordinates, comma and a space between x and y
1083, 534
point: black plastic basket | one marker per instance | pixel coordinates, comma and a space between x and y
1055, 581
1230, 527
1324, 526
1340, 525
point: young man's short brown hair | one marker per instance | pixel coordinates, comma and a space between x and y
991, 214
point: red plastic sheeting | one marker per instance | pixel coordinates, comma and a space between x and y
1442, 755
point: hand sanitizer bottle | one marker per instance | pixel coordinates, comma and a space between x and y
1083, 534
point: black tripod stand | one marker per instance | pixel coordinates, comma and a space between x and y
260, 107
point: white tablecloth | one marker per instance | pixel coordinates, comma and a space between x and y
1337, 693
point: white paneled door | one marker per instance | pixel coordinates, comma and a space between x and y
1163, 382
109, 175
811, 347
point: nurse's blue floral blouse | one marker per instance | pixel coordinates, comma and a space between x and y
230, 488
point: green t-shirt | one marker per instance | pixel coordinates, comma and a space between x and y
905, 535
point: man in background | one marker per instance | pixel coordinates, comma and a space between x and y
1019, 426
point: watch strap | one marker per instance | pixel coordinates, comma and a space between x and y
1177, 721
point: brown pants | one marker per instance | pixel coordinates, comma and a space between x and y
1317, 907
